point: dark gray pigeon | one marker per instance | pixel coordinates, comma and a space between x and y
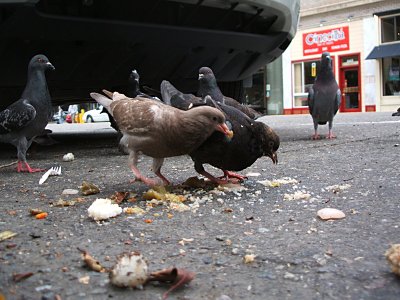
324, 97
27, 118
396, 114
208, 86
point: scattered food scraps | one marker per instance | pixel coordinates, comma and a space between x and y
231, 187
249, 258
63, 203
178, 277
84, 280
330, 214
129, 271
4, 235
197, 183
180, 207
297, 195
148, 221
278, 182
88, 188
393, 257
70, 192
118, 197
90, 262
42, 215
134, 210
337, 188
35, 211
253, 174
68, 157
102, 209
21, 276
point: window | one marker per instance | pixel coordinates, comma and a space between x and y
304, 74
390, 29
391, 76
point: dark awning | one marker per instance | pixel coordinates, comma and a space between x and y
388, 50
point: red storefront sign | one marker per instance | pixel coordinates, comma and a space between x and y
330, 40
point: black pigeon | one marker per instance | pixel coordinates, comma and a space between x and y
251, 139
208, 86
27, 118
396, 114
171, 96
133, 91
324, 96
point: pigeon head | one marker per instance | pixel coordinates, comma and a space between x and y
270, 144
326, 59
134, 76
41, 62
206, 73
210, 116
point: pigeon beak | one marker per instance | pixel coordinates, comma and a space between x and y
51, 67
274, 157
201, 76
225, 130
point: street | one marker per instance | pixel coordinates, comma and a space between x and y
291, 253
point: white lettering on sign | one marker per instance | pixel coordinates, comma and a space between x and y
319, 38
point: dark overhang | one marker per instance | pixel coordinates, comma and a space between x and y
382, 51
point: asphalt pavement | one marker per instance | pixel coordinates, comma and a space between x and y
261, 239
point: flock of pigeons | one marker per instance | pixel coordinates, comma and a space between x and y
210, 127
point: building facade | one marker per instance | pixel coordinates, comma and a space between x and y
363, 38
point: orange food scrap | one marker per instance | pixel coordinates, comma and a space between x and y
148, 221
42, 215
170, 216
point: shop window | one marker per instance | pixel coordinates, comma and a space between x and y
304, 74
390, 29
391, 76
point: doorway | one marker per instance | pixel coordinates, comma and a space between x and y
350, 84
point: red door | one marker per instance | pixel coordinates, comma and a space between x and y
350, 86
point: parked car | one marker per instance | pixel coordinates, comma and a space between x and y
95, 115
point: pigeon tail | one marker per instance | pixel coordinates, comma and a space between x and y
103, 100
167, 91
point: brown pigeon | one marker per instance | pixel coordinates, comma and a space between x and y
158, 130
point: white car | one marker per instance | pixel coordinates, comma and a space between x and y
95, 115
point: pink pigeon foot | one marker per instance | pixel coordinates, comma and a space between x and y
229, 174
27, 168
330, 136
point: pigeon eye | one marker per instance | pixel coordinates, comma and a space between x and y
41, 60
214, 118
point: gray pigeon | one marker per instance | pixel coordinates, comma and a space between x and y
208, 86
27, 118
324, 97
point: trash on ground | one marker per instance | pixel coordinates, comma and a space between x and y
393, 257
278, 182
102, 209
129, 271
178, 277
330, 214
53, 171
90, 262
134, 210
297, 195
68, 157
4, 235
42, 215
118, 197
249, 258
88, 188
337, 188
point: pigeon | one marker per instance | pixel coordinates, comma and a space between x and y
324, 97
251, 140
173, 97
158, 130
208, 86
396, 114
25, 119
133, 91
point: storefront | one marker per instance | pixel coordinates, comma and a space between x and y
366, 63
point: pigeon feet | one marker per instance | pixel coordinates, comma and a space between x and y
147, 181
25, 167
315, 137
229, 174
330, 136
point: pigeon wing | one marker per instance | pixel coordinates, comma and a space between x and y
16, 116
311, 100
